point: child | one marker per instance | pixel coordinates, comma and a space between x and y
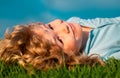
61, 43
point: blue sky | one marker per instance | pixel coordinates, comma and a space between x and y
14, 12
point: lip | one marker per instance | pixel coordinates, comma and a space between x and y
73, 28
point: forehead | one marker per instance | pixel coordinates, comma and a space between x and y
36, 25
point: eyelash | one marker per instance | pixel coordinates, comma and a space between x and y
60, 40
68, 29
50, 27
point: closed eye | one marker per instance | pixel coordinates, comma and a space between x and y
68, 30
60, 40
50, 27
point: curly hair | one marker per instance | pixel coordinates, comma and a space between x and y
22, 45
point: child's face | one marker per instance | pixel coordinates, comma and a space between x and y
66, 35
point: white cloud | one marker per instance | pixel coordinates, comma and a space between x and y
4, 24
43, 17
73, 5
108, 4
46, 17
63, 5
9, 23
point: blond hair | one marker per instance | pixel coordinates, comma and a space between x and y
22, 45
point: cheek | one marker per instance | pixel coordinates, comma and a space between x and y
70, 44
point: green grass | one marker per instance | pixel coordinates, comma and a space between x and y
111, 70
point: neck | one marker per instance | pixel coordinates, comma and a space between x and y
86, 31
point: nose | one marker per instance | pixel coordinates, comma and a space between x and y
65, 28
